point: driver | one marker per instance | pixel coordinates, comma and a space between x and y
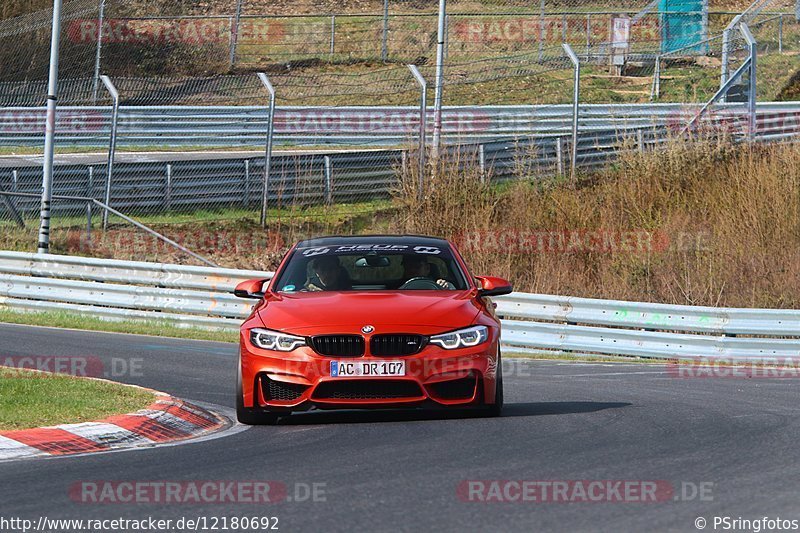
417, 266
330, 275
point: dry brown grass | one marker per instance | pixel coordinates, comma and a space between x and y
720, 226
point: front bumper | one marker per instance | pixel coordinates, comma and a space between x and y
301, 379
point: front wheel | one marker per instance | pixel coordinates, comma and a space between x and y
496, 408
246, 415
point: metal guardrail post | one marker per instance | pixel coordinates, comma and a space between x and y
385, 36
112, 147
575, 106
9, 201
423, 123
88, 222
99, 51
437, 102
246, 196
168, 188
235, 24
482, 161
268, 156
328, 180
90, 194
560, 156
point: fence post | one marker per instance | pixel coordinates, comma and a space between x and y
112, 148
423, 123
333, 36
541, 28
168, 188
43, 245
588, 36
726, 37
705, 20
235, 23
780, 34
752, 97
655, 93
99, 51
268, 156
328, 180
437, 102
385, 37
576, 94
726, 41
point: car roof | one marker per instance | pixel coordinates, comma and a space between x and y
408, 240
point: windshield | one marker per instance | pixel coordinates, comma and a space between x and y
371, 267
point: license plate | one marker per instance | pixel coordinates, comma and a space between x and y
341, 369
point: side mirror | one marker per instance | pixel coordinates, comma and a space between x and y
252, 288
492, 286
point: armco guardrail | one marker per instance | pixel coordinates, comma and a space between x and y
202, 297
299, 178
236, 126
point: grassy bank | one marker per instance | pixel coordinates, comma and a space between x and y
707, 223
32, 399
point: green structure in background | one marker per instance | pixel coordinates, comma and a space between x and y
684, 23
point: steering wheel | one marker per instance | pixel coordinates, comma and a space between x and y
419, 283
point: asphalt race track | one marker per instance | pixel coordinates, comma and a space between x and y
393, 471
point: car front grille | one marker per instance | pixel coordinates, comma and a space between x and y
338, 345
456, 389
280, 390
367, 389
396, 344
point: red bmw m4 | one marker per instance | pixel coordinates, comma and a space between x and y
369, 322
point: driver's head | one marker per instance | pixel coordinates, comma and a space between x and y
327, 269
415, 266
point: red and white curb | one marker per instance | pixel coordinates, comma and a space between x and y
166, 420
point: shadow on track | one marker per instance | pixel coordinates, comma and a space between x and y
408, 415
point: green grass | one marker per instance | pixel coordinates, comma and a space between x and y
77, 321
32, 399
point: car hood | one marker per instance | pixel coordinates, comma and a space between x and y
348, 312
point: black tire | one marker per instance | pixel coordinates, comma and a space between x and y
496, 408
249, 416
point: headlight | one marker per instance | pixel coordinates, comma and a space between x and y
463, 338
275, 340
